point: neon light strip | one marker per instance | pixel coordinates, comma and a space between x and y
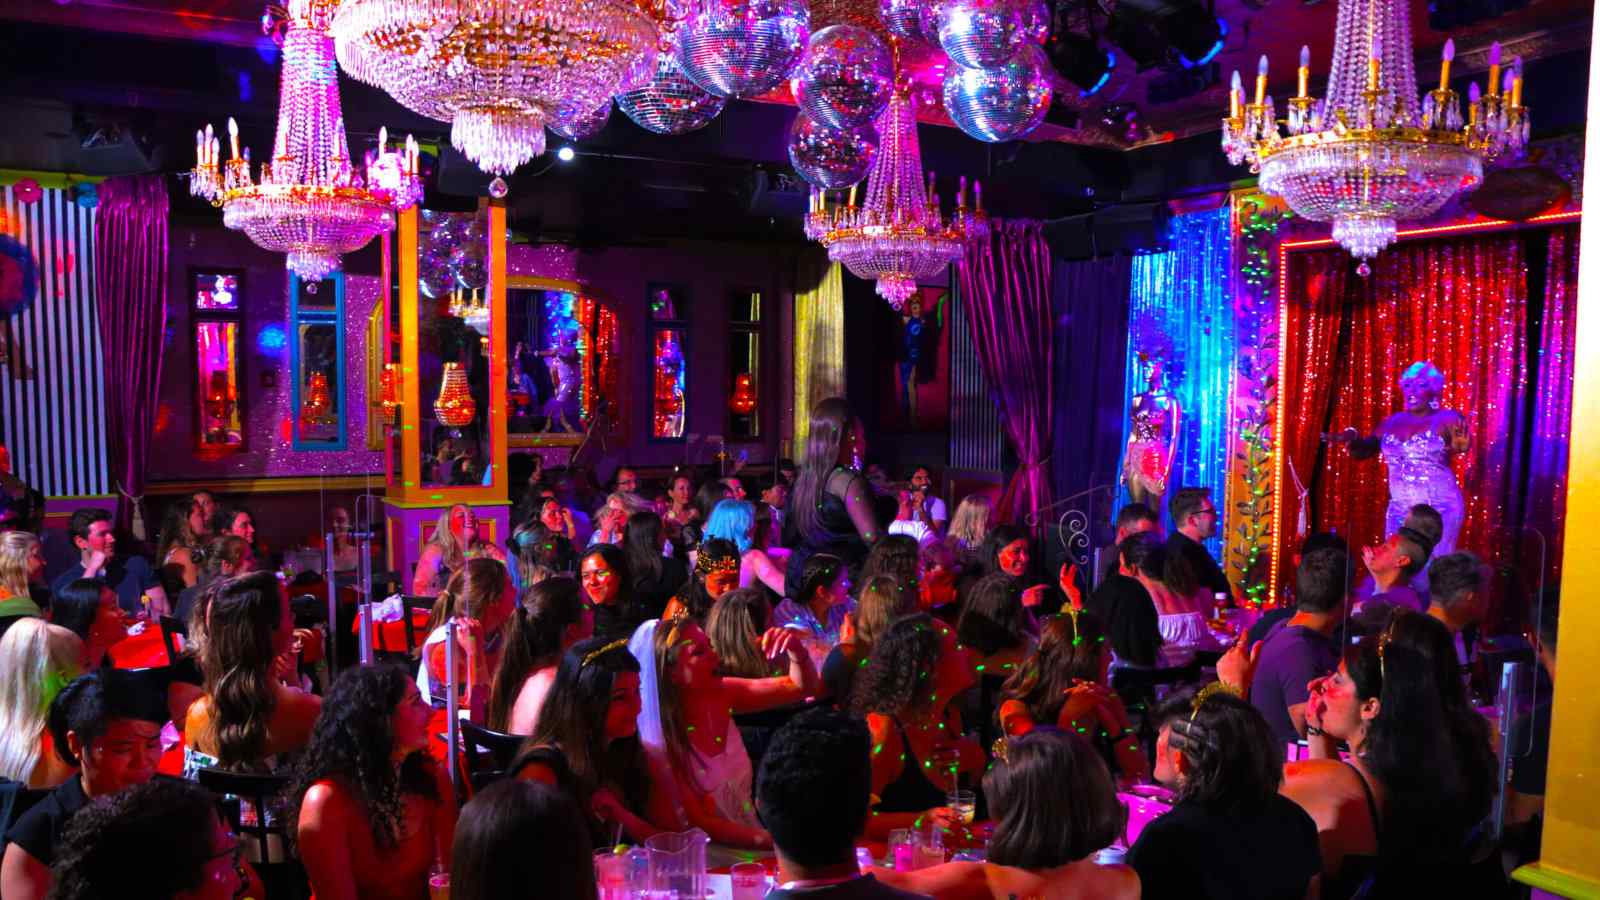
1283, 326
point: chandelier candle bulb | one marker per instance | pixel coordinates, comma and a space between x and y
1494, 67
1516, 82
1305, 71
1372, 63
1444, 64
1261, 80
233, 138
1474, 98
977, 196
1234, 93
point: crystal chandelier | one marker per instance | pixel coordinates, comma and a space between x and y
497, 70
899, 236
309, 202
474, 312
1370, 154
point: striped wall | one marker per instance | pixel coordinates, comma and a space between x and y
976, 434
53, 418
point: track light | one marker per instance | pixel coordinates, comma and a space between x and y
1081, 60
1195, 33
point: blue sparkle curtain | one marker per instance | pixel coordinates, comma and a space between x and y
1180, 309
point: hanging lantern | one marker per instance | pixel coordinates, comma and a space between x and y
389, 391
743, 400
455, 406
316, 405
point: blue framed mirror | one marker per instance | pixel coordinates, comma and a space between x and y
318, 406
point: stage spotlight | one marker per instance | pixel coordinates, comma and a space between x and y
566, 154
1132, 35
1195, 33
1081, 60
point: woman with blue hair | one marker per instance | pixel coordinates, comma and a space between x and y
735, 521
1417, 444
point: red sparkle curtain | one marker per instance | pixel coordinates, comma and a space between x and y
1461, 304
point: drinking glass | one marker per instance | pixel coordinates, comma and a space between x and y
964, 802
749, 881
438, 882
930, 848
903, 849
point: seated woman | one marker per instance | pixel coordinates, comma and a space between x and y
162, 840
969, 529
687, 724
716, 572
656, 578
479, 599
995, 625
37, 660
21, 566
550, 619
681, 508
1008, 550
372, 811
1064, 684
605, 578
937, 574
1053, 807
514, 836
88, 608
541, 548
557, 519
738, 620
820, 602
1181, 605
346, 551
881, 602
454, 541
1421, 770
248, 718
611, 520
184, 533
916, 668
1231, 834
1131, 622
587, 741
735, 521
900, 558
225, 557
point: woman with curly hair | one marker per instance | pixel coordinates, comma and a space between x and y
716, 572
916, 669
1064, 684
587, 741
881, 602
454, 542
372, 811
550, 619
162, 840
247, 717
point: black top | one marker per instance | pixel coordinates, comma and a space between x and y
652, 594
40, 828
911, 791
1131, 619
864, 888
1193, 853
839, 676
617, 621
836, 533
1206, 570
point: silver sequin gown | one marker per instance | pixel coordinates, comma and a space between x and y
1419, 472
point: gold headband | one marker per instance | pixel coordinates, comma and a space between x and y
723, 565
1383, 644
614, 645
1206, 693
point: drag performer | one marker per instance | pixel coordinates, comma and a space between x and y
1152, 440
1417, 444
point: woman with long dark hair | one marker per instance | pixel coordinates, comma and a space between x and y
1054, 806
551, 618
832, 508
372, 811
587, 740
521, 839
607, 584
88, 608
248, 717
656, 578
1064, 684
1401, 812
915, 670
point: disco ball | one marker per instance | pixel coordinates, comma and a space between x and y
982, 33
639, 72
845, 77
1000, 103
904, 19
470, 270
831, 158
743, 48
578, 124
670, 103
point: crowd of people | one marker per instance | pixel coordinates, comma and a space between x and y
798, 665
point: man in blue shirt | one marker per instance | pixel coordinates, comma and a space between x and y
130, 576
1301, 648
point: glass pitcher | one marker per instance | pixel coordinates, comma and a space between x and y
678, 864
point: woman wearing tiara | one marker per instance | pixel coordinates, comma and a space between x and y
1417, 444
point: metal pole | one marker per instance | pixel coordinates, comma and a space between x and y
452, 708
333, 608
1511, 675
364, 632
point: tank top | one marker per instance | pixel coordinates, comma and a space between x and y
728, 779
911, 791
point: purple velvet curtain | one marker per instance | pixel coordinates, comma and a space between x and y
130, 270
1005, 287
